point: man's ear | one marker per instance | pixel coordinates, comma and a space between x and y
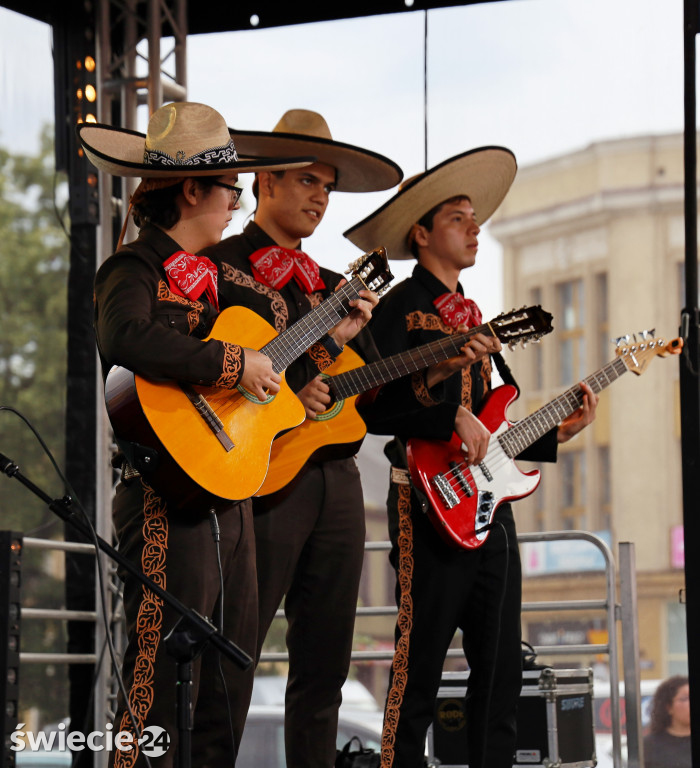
265, 183
191, 191
420, 236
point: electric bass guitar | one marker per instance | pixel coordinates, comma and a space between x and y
198, 445
463, 499
338, 432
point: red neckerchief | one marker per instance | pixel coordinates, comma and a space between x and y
191, 276
275, 266
455, 310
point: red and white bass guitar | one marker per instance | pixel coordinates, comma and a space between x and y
464, 499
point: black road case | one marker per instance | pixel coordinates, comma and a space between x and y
555, 720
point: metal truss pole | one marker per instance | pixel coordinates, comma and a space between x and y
128, 42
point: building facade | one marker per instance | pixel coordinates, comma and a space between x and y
597, 238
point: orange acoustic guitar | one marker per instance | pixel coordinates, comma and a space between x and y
464, 499
198, 445
339, 431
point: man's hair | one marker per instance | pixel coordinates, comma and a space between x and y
159, 206
663, 698
426, 220
256, 187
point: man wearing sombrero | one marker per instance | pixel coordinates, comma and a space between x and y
436, 218
309, 535
155, 302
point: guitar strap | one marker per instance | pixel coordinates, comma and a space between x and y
504, 371
422, 498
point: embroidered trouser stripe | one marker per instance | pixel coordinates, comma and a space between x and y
399, 667
149, 623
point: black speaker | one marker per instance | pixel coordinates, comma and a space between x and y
555, 720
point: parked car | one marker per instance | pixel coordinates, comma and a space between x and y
43, 759
270, 690
603, 723
263, 739
262, 745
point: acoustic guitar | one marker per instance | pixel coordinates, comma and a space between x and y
463, 499
198, 445
339, 431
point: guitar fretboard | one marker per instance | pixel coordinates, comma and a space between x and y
527, 431
374, 374
296, 339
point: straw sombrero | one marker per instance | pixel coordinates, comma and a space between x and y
484, 175
183, 139
303, 132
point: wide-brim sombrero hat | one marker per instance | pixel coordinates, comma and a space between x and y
303, 132
183, 139
484, 175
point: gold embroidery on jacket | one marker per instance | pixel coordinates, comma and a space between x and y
278, 306
233, 365
399, 665
424, 321
149, 621
320, 356
420, 390
196, 307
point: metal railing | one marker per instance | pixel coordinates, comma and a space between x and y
622, 613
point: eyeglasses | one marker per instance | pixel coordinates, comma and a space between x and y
236, 192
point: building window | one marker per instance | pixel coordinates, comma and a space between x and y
603, 486
571, 319
539, 508
536, 356
677, 658
601, 310
572, 490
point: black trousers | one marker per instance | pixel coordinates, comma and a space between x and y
309, 541
441, 590
179, 553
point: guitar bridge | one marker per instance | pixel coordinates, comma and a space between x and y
445, 491
209, 415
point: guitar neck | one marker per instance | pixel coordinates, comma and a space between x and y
382, 371
296, 339
528, 430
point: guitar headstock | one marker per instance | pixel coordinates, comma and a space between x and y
637, 356
373, 270
527, 324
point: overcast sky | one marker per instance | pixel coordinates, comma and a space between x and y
541, 77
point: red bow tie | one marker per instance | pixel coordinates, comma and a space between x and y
455, 310
275, 266
191, 276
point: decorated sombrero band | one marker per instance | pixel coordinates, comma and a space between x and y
183, 139
484, 175
303, 132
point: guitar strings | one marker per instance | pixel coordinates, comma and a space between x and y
519, 436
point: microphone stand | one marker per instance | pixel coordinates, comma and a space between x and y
187, 638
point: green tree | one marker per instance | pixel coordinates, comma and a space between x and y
34, 256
